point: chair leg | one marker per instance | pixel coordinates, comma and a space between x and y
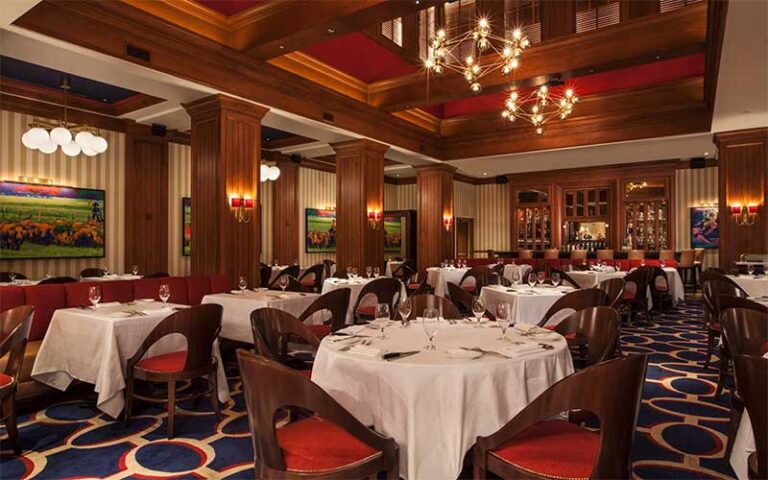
128, 399
171, 406
724, 363
480, 473
711, 337
10, 425
214, 382
393, 473
732, 429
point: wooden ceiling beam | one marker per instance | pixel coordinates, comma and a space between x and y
668, 35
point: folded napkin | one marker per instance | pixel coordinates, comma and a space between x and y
366, 351
236, 292
121, 314
519, 350
106, 305
353, 329
526, 327
145, 300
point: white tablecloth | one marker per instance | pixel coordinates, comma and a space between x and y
754, 286
743, 445
93, 347
521, 269
432, 405
528, 305
438, 278
355, 286
591, 279
276, 269
236, 319
112, 278
392, 267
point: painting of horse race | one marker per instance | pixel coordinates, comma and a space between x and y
186, 226
320, 230
50, 221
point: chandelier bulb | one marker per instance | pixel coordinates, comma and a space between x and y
476, 87
539, 131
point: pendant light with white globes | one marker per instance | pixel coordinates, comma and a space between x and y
61, 135
269, 172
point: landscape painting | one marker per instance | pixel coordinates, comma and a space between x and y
393, 234
705, 231
186, 226
50, 221
320, 230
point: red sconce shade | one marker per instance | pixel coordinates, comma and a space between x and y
374, 215
736, 209
752, 209
240, 202
248, 203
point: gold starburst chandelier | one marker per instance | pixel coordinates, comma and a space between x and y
540, 105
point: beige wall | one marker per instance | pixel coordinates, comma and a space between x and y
316, 190
179, 186
400, 197
492, 223
266, 196
694, 188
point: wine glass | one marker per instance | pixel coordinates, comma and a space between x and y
478, 310
516, 276
555, 277
94, 295
502, 319
48, 274
381, 318
368, 271
242, 283
750, 269
376, 272
135, 270
531, 279
283, 282
165, 294
275, 263
404, 309
540, 277
295, 263
354, 272
12, 276
431, 324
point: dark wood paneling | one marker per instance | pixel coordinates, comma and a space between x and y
434, 184
286, 213
558, 18
716, 16
146, 200
742, 175
226, 154
631, 9
359, 187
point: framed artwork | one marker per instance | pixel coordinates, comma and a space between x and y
51, 221
186, 226
320, 231
705, 230
393, 234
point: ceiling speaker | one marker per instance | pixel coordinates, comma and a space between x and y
698, 162
158, 129
502, 179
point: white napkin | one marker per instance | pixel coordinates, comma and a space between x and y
519, 350
526, 327
120, 314
365, 351
106, 305
353, 329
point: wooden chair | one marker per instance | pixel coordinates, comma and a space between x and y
312, 278
462, 300
272, 331
698, 262
714, 290
265, 274
292, 271
751, 382
294, 285
337, 303
614, 288
592, 334
666, 255
57, 280
717, 274
5, 277
419, 303
605, 254
156, 275
578, 254
498, 268
659, 284
404, 273
328, 264
329, 444
490, 279
551, 254
565, 279
91, 272
577, 300
386, 290
474, 273
532, 445
525, 254
200, 325
420, 286
686, 268
636, 254
635, 297
14, 332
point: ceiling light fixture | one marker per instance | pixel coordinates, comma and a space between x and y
73, 139
269, 173
540, 105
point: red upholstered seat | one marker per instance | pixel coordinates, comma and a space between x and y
653, 263
146, 288
308, 282
169, 362
178, 286
660, 284
629, 295
320, 331
369, 310
5, 379
11, 297
469, 288
553, 448
197, 286
77, 293
306, 373
413, 286
715, 326
567, 335
46, 299
764, 348
635, 263
316, 445
117, 291
220, 283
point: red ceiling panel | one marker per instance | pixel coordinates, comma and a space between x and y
631, 77
230, 7
362, 57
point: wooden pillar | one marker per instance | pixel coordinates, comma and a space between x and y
226, 156
434, 184
742, 177
146, 202
558, 18
286, 213
359, 188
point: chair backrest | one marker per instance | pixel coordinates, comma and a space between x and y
56, 280
336, 301
421, 279
605, 254
91, 272
614, 288
658, 279
475, 272
698, 255
328, 264
272, 329
551, 253
565, 279
599, 326
386, 290
156, 275
15, 325
316, 273
686, 258
270, 387
637, 280
265, 275
610, 390
525, 254
292, 271
491, 279
712, 274
578, 254
752, 384
715, 290
744, 327
636, 254
460, 298
5, 277
404, 272
577, 300
421, 302
666, 255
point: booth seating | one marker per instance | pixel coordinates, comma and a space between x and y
48, 298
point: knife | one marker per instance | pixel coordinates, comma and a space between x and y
397, 355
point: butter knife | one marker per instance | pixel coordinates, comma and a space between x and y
398, 355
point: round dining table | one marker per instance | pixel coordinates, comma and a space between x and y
434, 403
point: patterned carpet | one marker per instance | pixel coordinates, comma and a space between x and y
681, 429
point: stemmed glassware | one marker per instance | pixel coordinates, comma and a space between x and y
381, 318
750, 269
94, 295
516, 276
555, 277
368, 271
165, 294
532, 279
431, 324
135, 270
376, 272
503, 319
478, 310
540, 277
404, 309
283, 282
242, 283
12, 276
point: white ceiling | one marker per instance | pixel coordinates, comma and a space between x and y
742, 99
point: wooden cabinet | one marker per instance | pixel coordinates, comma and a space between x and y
585, 203
646, 214
532, 226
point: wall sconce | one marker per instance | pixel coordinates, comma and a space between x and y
744, 214
374, 218
243, 208
447, 223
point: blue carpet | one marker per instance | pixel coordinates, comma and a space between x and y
681, 428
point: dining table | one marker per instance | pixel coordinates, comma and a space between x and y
522, 271
238, 305
355, 285
743, 445
112, 277
93, 345
438, 278
435, 403
392, 266
756, 286
592, 278
527, 304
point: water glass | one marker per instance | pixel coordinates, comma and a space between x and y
532, 279
242, 283
381, 318
135, 270
750, 269
516, 276
94, 295
368, 271
283, 282
431, 324
354, 272
478, 310
503, 314
376, 272
540, 277
404, 309
555, 277
165, 294
12, 276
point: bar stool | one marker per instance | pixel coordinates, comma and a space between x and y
525, 254
551, 254
666, 255
636, 255
687, 269
698, 261
605, 254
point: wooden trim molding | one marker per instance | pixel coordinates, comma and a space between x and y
323, 74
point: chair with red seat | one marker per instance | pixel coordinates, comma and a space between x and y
273, 329
15, 326
635, 297
200, 325
577, 300
419, 285
312, 278
474, 273
329, 444
447, 310
594, 331
337, 303
291, 271
752, 384
659, 284
385, 290
404, 273
463, 300
713, 290
614, 288
532, 445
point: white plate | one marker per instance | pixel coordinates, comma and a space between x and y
120, 314
464, 354
146, 300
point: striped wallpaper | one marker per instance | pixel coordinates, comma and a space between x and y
266, 195
179, 186
105, 171
694, 188
492, 222
400, 197
464, 200
317, 189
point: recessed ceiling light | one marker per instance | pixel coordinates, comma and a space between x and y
417, 2
331, 30
658, 57
706, 154
267, 139
485, 174
282, 47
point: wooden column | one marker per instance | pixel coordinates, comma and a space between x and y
434, 184
286, 213
359, 188
146, 202
226, 155
742, 176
